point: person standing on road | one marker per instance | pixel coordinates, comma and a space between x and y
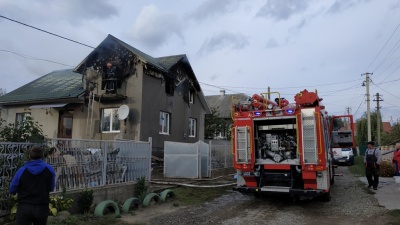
372, 162
33, 183
396, 159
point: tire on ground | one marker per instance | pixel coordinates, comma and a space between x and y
149, 197
135, 202
99, 211
167, 193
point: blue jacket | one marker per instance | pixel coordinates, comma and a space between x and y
29, 173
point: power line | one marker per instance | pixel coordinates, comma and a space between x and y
34, 58
318, 85
359, 105
383, 47
386, 91
68, 39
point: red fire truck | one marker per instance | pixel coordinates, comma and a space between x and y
282, 147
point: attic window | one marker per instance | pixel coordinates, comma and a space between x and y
169, 87
191, 96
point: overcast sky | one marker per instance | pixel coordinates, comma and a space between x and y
236, 45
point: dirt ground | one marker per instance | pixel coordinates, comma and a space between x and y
351, 204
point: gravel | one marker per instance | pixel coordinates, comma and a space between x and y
351, 203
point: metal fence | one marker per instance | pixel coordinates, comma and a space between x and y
221, 156
88, 163
84, 163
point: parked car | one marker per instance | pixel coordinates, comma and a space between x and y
343, 156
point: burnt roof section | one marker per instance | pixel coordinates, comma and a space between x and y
57, 85
163, 64
223, 103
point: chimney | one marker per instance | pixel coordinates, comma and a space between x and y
222, 92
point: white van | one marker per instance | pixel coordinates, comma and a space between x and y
343, 156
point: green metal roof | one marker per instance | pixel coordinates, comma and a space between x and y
59, 84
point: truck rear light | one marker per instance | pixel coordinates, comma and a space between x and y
320, 167
311, 167
245, 166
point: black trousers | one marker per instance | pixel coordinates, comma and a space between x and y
372, 172
28, 214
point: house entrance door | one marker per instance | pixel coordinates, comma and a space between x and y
65, 124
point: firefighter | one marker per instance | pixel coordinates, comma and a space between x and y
396, 159
372, 162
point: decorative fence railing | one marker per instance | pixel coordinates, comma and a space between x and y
82, 163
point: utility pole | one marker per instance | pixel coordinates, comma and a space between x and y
348, 110
378, 115
368, 104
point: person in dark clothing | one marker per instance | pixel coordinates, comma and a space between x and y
33, 183
372, 162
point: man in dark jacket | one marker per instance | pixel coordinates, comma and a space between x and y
33, 183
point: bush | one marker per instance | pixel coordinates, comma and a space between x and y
387, 169
85, 200
60, 203
141, 189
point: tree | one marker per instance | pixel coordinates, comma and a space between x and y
27, 131
215, 125
3, 91
362, 129
393, 136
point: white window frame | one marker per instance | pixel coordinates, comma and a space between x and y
113, 117
191, 96
165, 122
192, 127
20, 118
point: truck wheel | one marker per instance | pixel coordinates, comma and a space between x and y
326, 197
333, 175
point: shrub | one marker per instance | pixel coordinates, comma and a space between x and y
387, 169
85, 200
141, 189
60, 203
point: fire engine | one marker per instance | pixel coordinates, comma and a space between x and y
282, 147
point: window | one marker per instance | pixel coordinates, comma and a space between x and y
109, 120
20, 117
164, 122
191, 96
192, 127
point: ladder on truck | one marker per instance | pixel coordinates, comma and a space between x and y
89, 118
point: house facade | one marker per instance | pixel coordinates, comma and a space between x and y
116, 92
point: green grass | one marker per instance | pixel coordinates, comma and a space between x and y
358, 168
194, 196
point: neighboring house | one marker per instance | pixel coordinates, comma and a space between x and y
162, 96
222, 103
52, 100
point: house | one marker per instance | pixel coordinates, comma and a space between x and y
116, 92
222, 104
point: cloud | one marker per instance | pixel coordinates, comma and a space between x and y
272, 43
154, 27
74, 12
212, 7
213, 77
282, 10
339, 6
224, 40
